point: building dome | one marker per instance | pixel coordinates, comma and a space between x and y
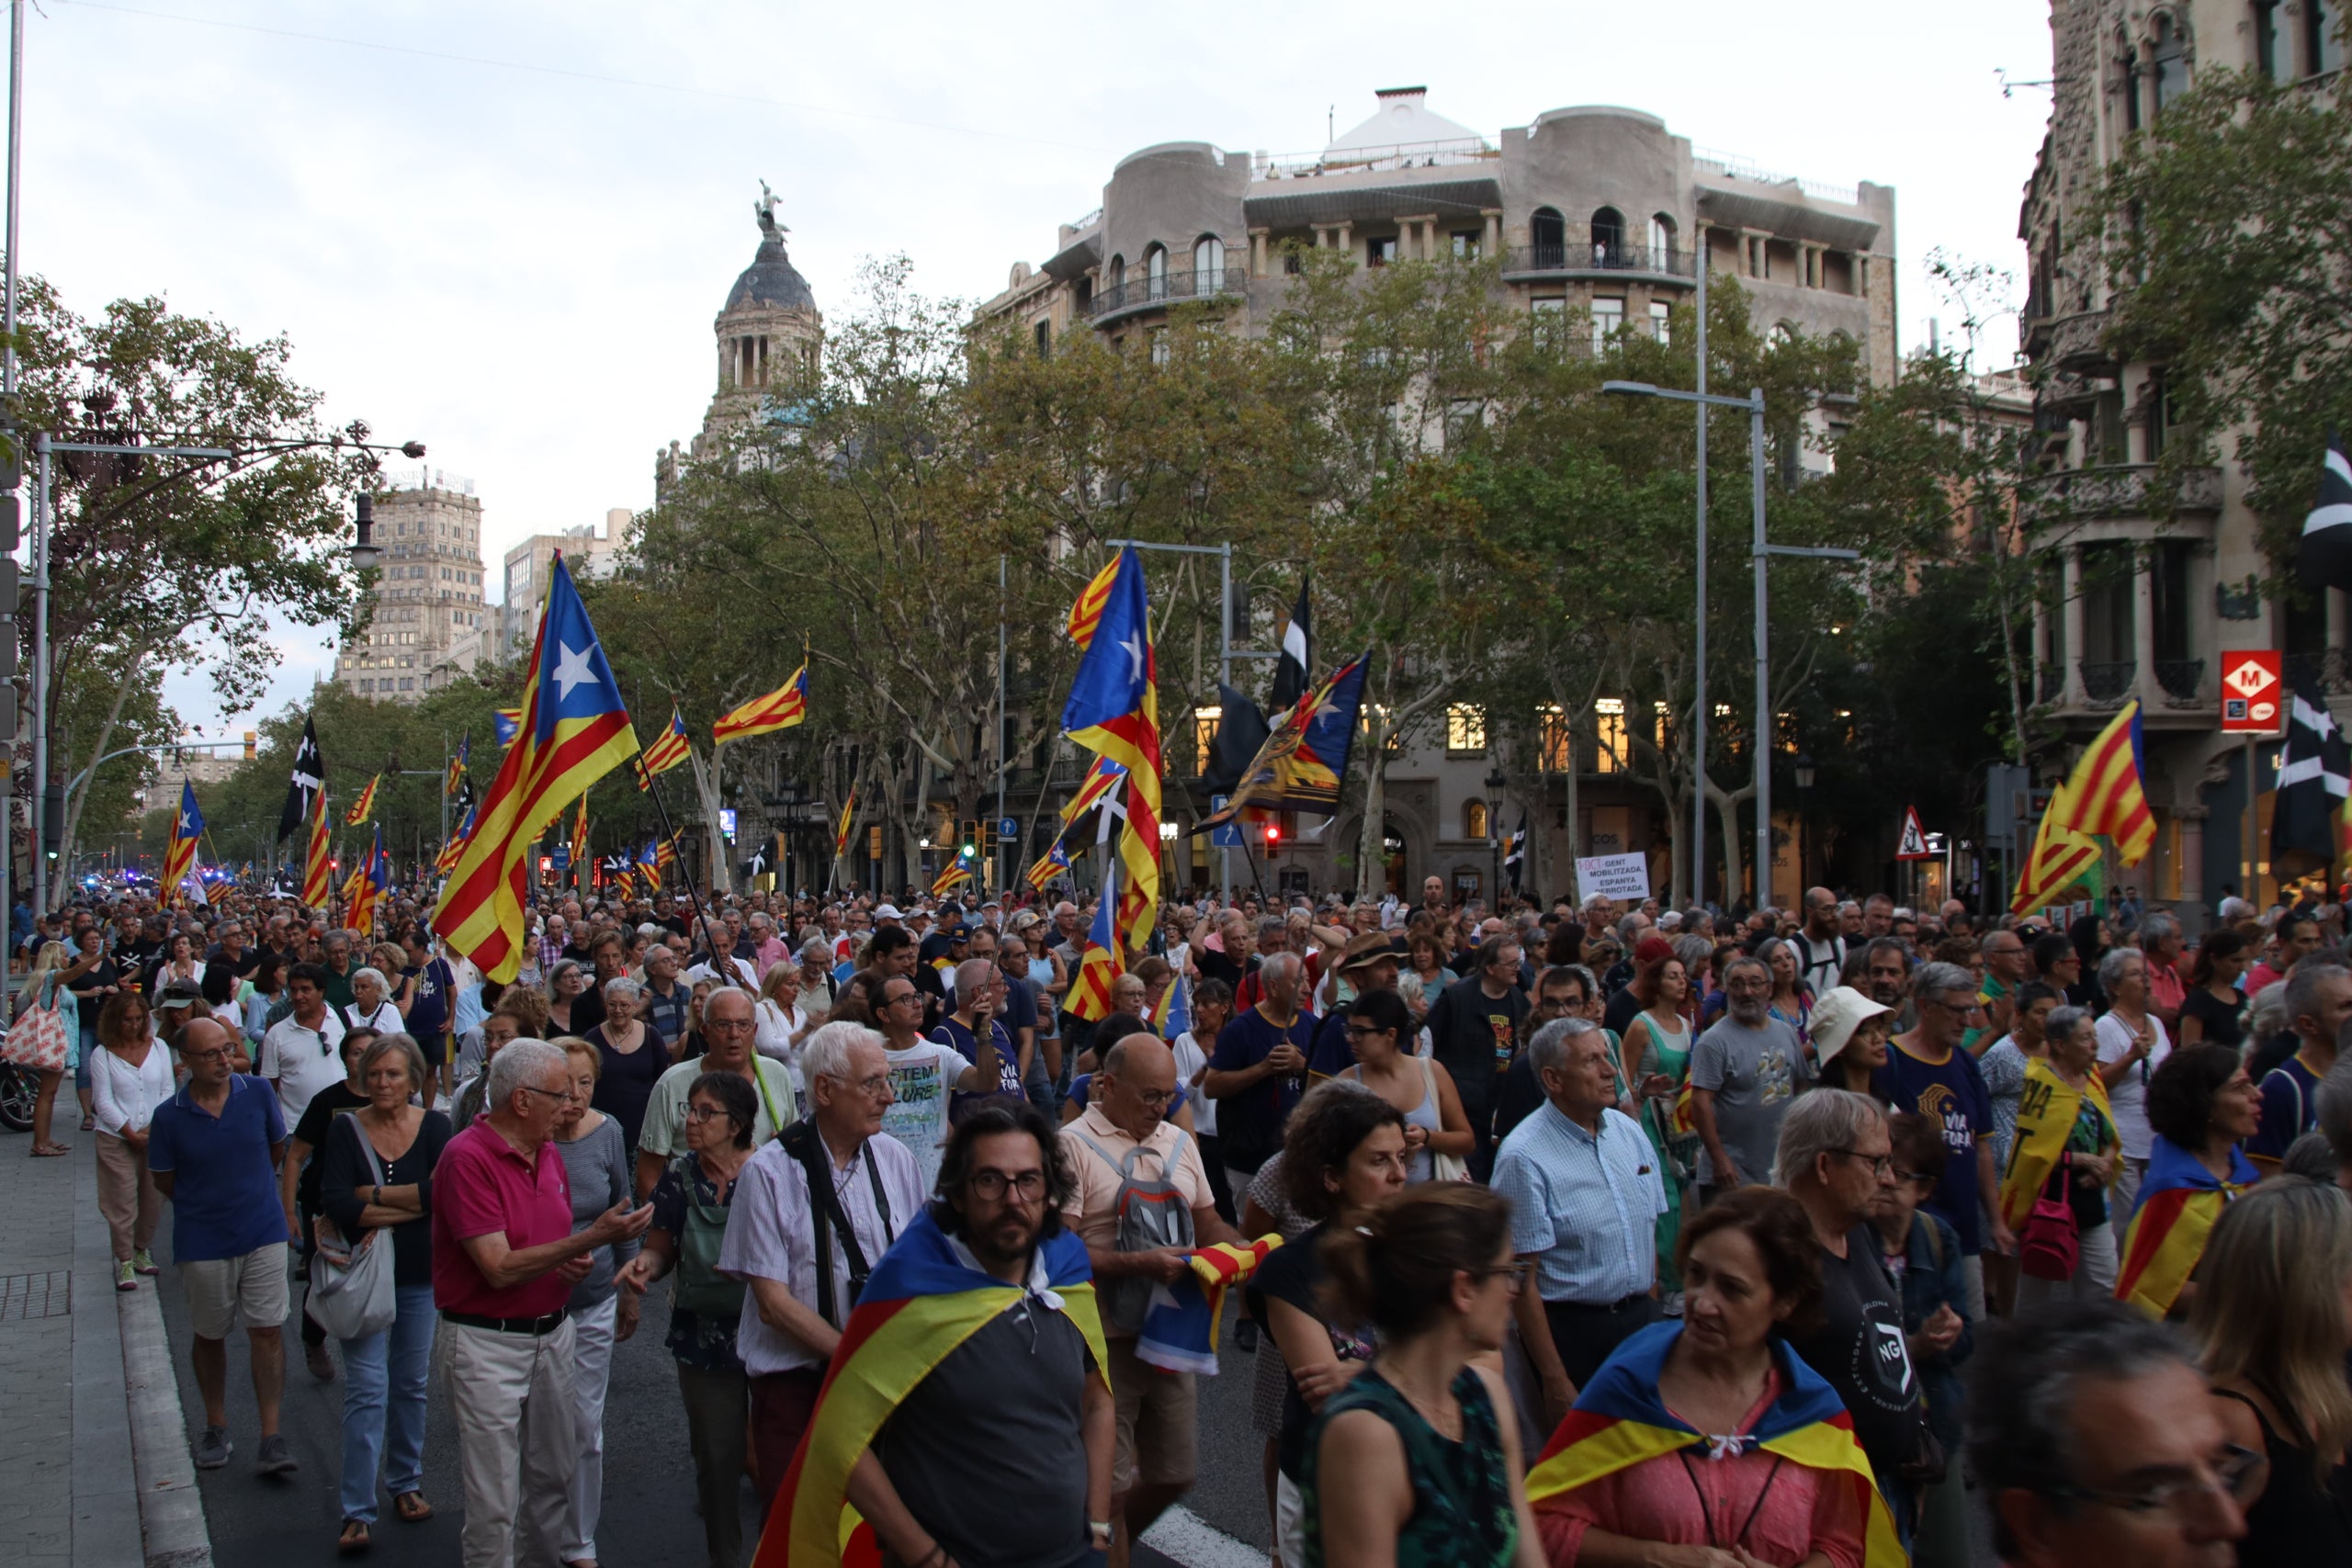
771, 282
1403, 121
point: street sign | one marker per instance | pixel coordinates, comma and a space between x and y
727, 823
1228, 837
560, 853
1913, 844
2251, 701
1008, 827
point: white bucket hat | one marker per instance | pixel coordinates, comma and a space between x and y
1836, 1017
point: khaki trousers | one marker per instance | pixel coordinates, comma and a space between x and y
513, 1399
127, 1196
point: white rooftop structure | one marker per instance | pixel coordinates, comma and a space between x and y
1402, 119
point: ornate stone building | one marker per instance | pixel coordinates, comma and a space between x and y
1600, 214
2138, 604
768, 332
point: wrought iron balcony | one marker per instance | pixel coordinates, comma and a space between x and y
1570, 257
1170, 287
2051, 686
2108, 681
2118, 490
2180, 679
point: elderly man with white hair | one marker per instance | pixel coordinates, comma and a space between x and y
730, 1032
811, 1214
504, 1260
1259, 1068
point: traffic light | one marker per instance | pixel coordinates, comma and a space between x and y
968, 841
1274, 839
53, 820
250, 745
546, 866
988, 839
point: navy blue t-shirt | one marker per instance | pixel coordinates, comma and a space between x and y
952, 1034
1249, 1124
2289, 1109
1952, 1095
224, 1185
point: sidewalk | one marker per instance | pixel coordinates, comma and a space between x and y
83, 1367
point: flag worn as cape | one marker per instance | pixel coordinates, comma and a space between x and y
1179, 1332
2179, 1200
2047, 1108
1619, 1421
924, 1299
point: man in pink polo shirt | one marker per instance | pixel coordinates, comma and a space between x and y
504, 1260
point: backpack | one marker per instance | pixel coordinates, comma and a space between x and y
1151, 1215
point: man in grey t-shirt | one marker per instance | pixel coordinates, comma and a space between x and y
1744, 1072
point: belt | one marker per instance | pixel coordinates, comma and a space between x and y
1618, 1305
546, 1324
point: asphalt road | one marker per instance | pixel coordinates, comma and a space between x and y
261, 1522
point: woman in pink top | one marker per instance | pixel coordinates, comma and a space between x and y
1709, 1438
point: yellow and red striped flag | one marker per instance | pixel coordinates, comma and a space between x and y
2107, 792
365, 807
840, 833
665, 855
954, 876
1113, 710
1100, 778
2059, 858
579, 833
318, 870
665, 753
1087, 613
179, 854
780, 709
574, 729
1098, 963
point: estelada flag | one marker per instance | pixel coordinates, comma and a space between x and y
365, 807
446, 861
574, 729
1620, 1420
2179, 1200
2059, 858
506, 724
179, 854
954, 876
1301, 764
1101, 780
1053, 862
921, 1303
2107, 794
580, 832
1113, 710
665, 753
1098, 963
780, 709
458, 765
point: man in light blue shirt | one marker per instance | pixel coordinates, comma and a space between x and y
1584, 1195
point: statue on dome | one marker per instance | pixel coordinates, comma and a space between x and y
765, 209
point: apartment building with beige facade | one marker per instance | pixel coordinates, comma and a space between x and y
429, 612
590, 550
2142, 600
1598, 213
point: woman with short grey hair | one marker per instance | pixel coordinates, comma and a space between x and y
632, 1057
2132, 1045
371, 1006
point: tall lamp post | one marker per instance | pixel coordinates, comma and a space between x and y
1802, 768
1496, 785
1759, 553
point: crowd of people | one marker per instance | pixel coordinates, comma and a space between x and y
1600, 1234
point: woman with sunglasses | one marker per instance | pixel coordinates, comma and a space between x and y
2272, 1324
1408, 1465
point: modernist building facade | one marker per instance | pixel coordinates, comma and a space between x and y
2141, 599
430, 622
1601, 217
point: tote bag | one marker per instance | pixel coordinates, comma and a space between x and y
351, 1292
37, 1041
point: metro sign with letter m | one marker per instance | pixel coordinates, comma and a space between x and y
2251, 696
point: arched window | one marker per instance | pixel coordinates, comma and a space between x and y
1608, 236
1155, 271
1208, 265
2170, 59
2323, 45
1114, 278
1661, 241
2131, 85
1548, 232
1474, 819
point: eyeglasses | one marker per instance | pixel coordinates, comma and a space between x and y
993, 1184
551, 1093
704, 1112
1880, 1165
2228, 1474
902, 997
1920, 1177
1359, 1030
1513, 1275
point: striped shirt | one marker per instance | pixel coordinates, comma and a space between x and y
1584, 1207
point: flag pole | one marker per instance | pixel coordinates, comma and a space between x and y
685, 866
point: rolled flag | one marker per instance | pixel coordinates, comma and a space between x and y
458, 768
2325, 558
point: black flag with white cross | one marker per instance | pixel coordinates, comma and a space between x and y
2315, 772
302, 788
2325, 558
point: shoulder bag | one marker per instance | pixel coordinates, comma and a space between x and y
351, 1290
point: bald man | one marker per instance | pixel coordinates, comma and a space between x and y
1157, 1453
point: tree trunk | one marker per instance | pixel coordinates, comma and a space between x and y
1372, 844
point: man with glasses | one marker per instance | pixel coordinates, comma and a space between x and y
730, 1030
1025, 1383
1929, 1070
1744, 1070
925, 1074
1584, 1195
504, 1260
2093, 1438
1834, 1155
214, 1149
812, 1212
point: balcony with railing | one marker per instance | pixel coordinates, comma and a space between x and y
2051, 685
1575, 258
1167, 288
2118, 490
2181, 681
2107, 682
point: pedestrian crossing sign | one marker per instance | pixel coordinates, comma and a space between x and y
1913, 844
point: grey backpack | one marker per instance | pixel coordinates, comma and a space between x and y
1151, 1214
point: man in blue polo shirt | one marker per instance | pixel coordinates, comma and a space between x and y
214, 1150
429, 1004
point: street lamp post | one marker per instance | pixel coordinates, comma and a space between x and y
1496, 785
1760, 551
1802, 768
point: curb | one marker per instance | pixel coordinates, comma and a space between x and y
171, 1509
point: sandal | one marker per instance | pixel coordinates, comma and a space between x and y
354, 1540
50, 1151
89, 1123
412, 1508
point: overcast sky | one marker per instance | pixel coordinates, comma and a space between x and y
504, 229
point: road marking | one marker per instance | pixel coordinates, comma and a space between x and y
1183, 1537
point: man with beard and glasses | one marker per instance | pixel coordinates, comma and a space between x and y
1744, 1072
1027, 1383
